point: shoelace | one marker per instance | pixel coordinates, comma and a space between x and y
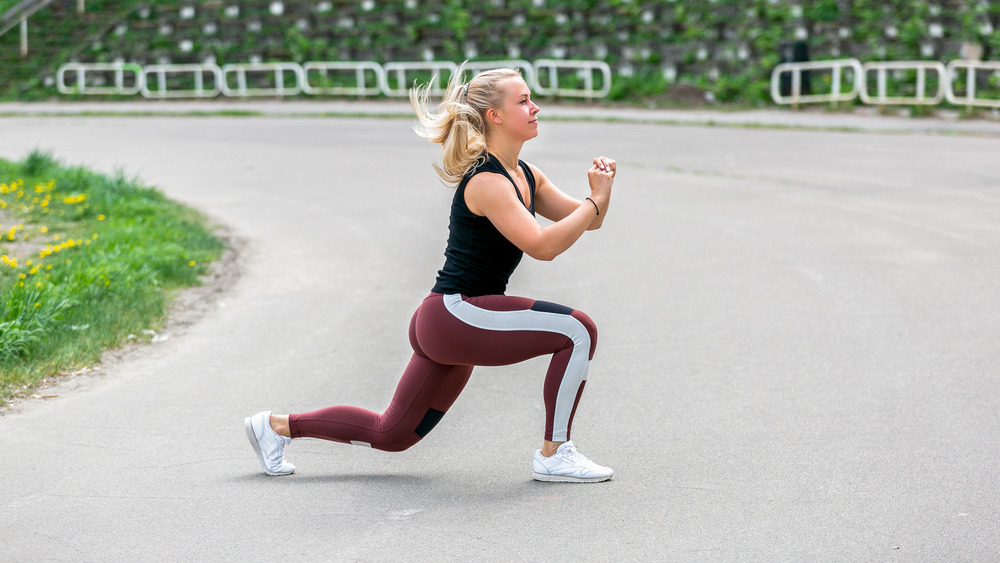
571, 454
279, 453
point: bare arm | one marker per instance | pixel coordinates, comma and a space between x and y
492, 195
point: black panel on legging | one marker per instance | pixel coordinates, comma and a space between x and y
429, 422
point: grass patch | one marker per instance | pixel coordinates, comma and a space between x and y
87, 261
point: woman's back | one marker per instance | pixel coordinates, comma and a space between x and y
479, 260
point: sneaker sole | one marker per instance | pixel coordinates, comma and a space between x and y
252, 436
567, 479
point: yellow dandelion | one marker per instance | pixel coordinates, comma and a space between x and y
44, 230
37, 305
100, 218
191, 263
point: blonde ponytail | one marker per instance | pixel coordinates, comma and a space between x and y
458, 124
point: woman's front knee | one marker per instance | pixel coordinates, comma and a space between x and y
591, 327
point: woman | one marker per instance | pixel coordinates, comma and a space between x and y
467, 320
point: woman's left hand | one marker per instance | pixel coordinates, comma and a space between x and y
605, 164
601, 176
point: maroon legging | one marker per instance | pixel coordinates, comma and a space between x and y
450, 334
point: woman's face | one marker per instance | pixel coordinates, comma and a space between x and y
518, 113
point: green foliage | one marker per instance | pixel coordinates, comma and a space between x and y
7, 4
675, 34
823, 11
646, 84
302, 48
26, 315
740, 87
38, 162
87, 259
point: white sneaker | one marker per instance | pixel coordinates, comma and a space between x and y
568, 465
268, 444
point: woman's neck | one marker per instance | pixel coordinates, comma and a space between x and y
507, 153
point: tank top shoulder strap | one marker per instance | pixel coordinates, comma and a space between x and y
491, 164
531, 183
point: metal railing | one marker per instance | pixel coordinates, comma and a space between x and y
277, 71
947, 76
585, 74
197, 80
920, 97
118, 71
18, 15
442, 71
836, 68
360, 71
971, 68
365, 78
526, 68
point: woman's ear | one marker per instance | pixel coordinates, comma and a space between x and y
494, 116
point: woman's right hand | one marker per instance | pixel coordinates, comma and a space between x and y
601, 177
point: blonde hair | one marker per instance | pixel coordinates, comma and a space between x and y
459, 122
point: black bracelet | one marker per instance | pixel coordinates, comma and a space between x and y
598, 209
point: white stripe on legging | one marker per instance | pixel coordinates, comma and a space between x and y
529, 320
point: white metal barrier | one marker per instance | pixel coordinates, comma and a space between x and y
198, 74
920, 98
278, 72
369, 78
118, 70
585, 71
836, 68
442, 72
971, 68
527, 70
360, 70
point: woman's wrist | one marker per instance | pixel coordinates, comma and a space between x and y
599, 200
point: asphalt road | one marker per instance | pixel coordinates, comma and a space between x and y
798, 354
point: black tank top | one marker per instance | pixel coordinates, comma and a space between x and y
479, 260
